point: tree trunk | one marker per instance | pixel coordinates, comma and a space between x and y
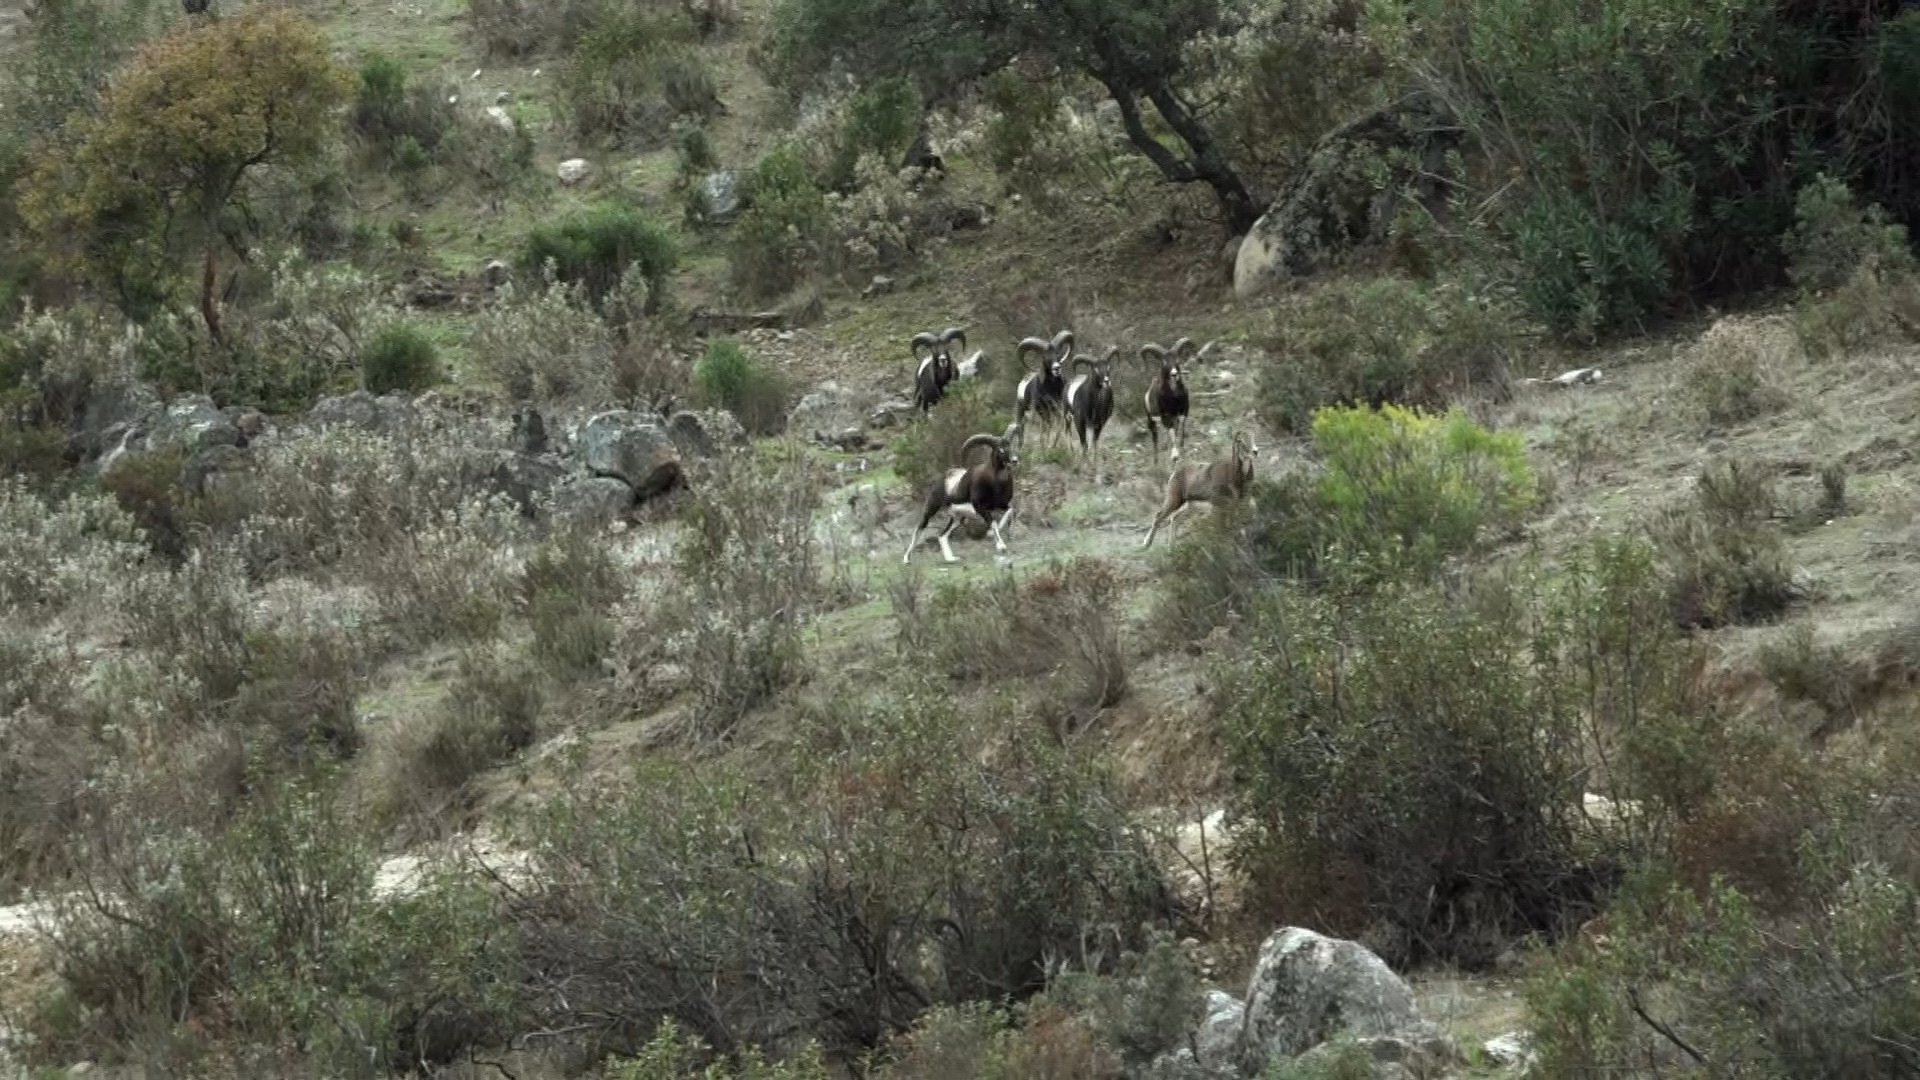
209, 303
1206, 164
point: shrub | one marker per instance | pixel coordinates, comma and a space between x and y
1148, 1008
546, 346
1833, 238
147, 486
748, 562
1721, 552
880, 120
782, 231
492, 711
1355, 718
1063, 622
1735, 374
626, 75
1386, 341
1873, 308
1402, 484
670, 1055
400, 358
59, 553
595, 249
569, 586
728, 377
271, 929
396, 119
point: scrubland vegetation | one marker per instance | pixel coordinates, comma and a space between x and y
454, 457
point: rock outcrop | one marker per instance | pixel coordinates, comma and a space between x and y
633, 448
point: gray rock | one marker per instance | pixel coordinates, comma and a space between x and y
1348, 193
1392, 1057
631, 447
501, 119
706, 433
828, 410
191, 423
1308, 989
528, 479
387, 415
573, 170
204, 469
1182, 1065
110, 410
1510, 1051
249, 421
592, 500
723, 196
1217, 1042
888, 413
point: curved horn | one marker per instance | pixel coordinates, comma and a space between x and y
1106, 361
1183, 347
952, 334
1062, 344
995, 441
1032, 344
1153, 352
1081, 361
932, 343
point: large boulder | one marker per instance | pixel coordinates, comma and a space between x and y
527, 479
705, 433
191, 423
592, 500
110, 411
387, 415
631, 447
203, 471
1308, 989
827, 411
1346, 197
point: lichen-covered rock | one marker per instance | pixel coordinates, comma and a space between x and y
631, 447
592, 500
826, 411
1217, 1042
706, 433
389, 415
109, 412
203, 471
191, 424
1308, 989
1347, 195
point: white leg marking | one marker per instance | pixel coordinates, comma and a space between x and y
912, 542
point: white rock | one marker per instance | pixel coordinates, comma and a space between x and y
1508, 1051
1308, 989
500, 118
1219, 1033
574, 170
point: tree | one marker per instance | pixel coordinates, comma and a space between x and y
162, 164
1134, 48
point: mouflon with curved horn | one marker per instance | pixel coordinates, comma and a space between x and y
937, 367
1042, 394
981, 490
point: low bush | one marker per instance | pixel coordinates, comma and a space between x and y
1859, 282
1149, 1007
1721, 550
1387, 341
60, 552
545, 346
672, 1055
1735, 373
595, 249
783, 231
748, 562
728, 377
1063, 622
492, 711
880, 120
1412, 768
400, 358
269, 931
630, 75
569, 587
388, 113
147, 485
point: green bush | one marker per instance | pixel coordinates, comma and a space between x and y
783, 231
270, 930
569, 587
611, 84
1833, 238
1386, 341
881, 120
728, 377
671, 1055
1400, 484
1412, 767
401, 358
1147, 1008
492, 711
596, 248
402, 123
748, 565
1722, 552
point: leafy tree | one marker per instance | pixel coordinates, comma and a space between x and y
163, 162
1134, 48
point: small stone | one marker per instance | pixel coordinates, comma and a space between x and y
573, 170
499, 117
